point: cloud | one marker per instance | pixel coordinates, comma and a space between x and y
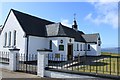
101, 0
59, 0
106, 13
66, 22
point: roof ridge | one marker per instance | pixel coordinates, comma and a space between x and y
70, 28
61, 29
31, 25
91, 34
31, 15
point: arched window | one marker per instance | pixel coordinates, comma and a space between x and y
10, 38
77, 47
50, 44
5, 41
99, 42
88, 46
14, 42
80, 47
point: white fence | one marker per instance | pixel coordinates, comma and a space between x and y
4, 59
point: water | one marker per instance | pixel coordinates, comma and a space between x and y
111, 50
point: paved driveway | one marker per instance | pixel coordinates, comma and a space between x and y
9, 74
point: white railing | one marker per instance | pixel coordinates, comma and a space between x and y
4, 57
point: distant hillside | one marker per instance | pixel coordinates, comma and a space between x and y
111, 50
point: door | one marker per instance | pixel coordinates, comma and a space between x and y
70, 52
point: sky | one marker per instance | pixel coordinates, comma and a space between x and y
92, 17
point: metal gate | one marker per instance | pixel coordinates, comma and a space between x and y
27, 63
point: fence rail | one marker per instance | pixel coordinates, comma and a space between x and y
4, 57
27, 63
109, 65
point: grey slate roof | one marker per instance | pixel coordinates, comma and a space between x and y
43, 28
60, 30
91, 38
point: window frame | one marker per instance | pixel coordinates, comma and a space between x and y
5, 39
77, 47
9, 39
14, 34
57, 55
50, 44
60, 48
88, 47
80, 47
99, 43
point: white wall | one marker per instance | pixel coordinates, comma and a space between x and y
99, 47
11, 25
95, 50
53, 74
56, 42
36, 43
5, 66
78, 52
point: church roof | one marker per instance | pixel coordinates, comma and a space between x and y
91, 38
43, 28
32, 25
60, 30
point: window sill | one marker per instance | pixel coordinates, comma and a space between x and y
4, 46
13, 46
88, 50
8, 46
61, 50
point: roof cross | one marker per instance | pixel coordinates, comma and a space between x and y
74, 16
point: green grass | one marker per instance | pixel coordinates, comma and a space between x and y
112, 65
112, 54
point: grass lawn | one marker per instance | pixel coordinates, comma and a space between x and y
112, 54
104, 65
107, 63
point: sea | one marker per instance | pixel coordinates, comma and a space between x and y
111, 50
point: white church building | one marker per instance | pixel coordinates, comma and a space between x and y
29, 33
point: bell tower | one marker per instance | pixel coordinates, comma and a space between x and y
75, 26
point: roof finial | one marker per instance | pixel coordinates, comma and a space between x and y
74, 16
74, 26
